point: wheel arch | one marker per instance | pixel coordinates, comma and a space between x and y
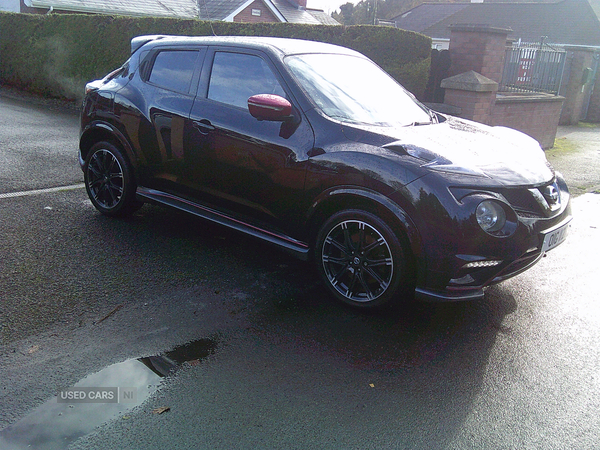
341, 198
101, 131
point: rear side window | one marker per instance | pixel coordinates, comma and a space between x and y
173, 69
236, 77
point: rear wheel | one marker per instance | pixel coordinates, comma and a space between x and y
361, 260
109, 180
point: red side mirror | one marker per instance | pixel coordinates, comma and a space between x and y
269, 107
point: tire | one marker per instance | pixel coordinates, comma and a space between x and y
361, 260
109, 181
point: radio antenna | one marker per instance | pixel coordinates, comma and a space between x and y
209, 18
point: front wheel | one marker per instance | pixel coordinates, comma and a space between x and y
362, 261
109, 180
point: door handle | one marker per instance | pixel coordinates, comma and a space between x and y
203, 126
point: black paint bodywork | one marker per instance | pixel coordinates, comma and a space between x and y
280, 180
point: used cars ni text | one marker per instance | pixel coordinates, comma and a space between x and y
314, 148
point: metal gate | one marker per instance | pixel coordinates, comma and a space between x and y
533, 68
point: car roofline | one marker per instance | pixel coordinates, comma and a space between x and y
284, 46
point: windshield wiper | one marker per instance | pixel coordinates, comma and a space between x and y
432, 119
433, 115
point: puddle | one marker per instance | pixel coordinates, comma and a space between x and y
192, 353
98, 398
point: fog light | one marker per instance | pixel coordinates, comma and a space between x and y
490, 216
479, 264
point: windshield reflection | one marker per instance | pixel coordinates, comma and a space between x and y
353, 89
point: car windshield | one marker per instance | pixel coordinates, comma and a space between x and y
353, 89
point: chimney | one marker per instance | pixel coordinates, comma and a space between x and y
300, 3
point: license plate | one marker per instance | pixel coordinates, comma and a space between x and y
555, 237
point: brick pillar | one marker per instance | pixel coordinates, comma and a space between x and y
593, 114
473, 93
573, 87
478, 47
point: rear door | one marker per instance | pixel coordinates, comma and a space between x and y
169, 80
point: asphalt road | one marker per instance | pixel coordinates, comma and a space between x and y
277, 364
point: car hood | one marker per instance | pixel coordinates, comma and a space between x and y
459, 146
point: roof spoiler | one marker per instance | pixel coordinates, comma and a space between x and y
138, 41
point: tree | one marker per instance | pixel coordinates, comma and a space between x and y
346, 14
359, 14
367, 11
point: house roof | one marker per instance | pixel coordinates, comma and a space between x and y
285, 10
219, 9
322, 16
595, 4
422, 17
293, 13
160, 8
570, 22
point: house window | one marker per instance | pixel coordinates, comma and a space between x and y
256, 12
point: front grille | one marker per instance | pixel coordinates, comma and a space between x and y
535, 203
523, 202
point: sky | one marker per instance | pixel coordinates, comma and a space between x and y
328, 6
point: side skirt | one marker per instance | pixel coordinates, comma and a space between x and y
296, 248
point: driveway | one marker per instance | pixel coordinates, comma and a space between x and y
257, 354
577, 156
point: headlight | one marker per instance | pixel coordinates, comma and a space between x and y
490, 216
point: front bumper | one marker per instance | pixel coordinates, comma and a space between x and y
453, 293
448, 296
465, 276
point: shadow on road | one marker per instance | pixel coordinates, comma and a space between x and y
289, 350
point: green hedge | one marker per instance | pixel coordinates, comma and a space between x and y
56, 55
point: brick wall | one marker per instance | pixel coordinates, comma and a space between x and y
478, 48
246, 15
535, 115
29, 10
475, 106
477, 54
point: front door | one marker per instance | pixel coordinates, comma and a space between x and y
235, 161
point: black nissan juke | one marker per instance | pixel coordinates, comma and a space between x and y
312, 147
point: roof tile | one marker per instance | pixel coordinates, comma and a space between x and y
570, 22
169, 8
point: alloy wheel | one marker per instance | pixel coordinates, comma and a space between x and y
357, 261
105, 179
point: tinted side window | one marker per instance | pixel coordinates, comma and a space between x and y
173, 69
236, 77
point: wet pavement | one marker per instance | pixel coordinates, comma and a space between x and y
255, 353
577, 156
98, 398
56, 424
